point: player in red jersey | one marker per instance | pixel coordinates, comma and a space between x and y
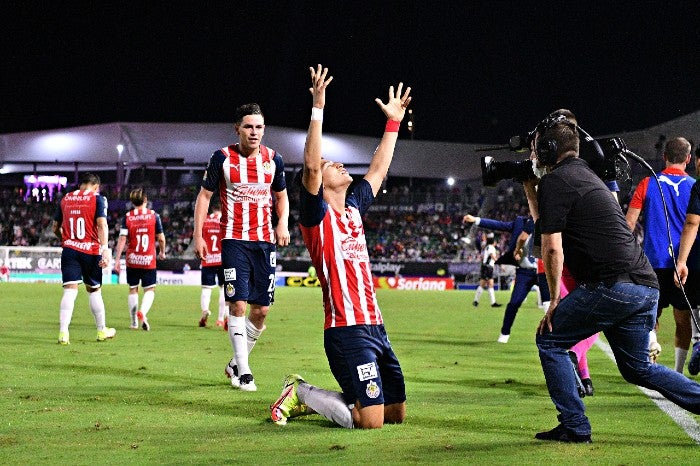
212, 272
357, 347
81, 224
249, 178
141, 229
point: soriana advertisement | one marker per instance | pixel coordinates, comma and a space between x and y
414, 283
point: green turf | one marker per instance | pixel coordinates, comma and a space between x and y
162, 398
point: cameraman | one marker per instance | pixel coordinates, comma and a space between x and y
617, 290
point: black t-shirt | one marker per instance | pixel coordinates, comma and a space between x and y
598, 245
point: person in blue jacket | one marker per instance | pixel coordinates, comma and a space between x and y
525, 264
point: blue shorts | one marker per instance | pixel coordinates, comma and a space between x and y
249, 271
211, 275
77, 267
364, 364
146, 277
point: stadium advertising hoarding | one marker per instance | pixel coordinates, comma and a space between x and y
37, 264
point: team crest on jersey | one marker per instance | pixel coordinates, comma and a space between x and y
367, 371
230, 290
267, 167
229, 275
372, 389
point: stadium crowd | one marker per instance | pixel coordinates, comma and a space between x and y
412, 220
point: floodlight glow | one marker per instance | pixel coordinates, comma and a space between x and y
56, 144
450, 181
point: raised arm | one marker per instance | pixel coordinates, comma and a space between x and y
395, 110
311, 176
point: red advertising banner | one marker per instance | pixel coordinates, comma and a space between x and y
414, 283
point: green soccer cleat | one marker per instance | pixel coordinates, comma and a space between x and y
63, 338
288, 405
106, 333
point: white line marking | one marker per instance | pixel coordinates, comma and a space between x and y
679, 415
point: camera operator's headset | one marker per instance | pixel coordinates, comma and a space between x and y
546, 147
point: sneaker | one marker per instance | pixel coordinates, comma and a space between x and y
221, 323
203, 320
106, 333
134, 326
247, 383
562, 434
231, 372
63, 338
654, 351
496, 305
579, 384
144, 322
475, 303
503, 338
694, 363
587, 386
287, 405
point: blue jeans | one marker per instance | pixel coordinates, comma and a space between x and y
625, 313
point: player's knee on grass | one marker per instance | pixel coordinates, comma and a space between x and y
368, 417
394, 413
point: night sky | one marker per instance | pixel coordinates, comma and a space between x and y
481, 71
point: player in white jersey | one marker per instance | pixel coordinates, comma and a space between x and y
357, 347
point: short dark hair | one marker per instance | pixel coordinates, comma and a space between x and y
90, 179
247, 109
677, 150
137, 196
564, 134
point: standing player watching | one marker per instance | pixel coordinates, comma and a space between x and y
489, 255
141, 227
358, 349
81, 224
616, 289
689, 242
212, 272
246, 176
647, 200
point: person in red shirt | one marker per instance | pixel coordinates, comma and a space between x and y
212, 272
141, 229
81, 223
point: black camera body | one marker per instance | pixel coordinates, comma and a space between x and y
604, 156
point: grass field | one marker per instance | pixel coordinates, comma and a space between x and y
161, 397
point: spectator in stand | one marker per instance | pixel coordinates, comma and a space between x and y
141, 229
81, 223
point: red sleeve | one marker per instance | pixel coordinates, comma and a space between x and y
637, 201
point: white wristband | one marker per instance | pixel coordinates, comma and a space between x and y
316, 114
102, 248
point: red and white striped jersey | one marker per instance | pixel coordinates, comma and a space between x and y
140, 226
245, 187
211, 233
338, 250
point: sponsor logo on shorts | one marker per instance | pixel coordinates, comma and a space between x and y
367, 371
372, 389
229, 274
230, 290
